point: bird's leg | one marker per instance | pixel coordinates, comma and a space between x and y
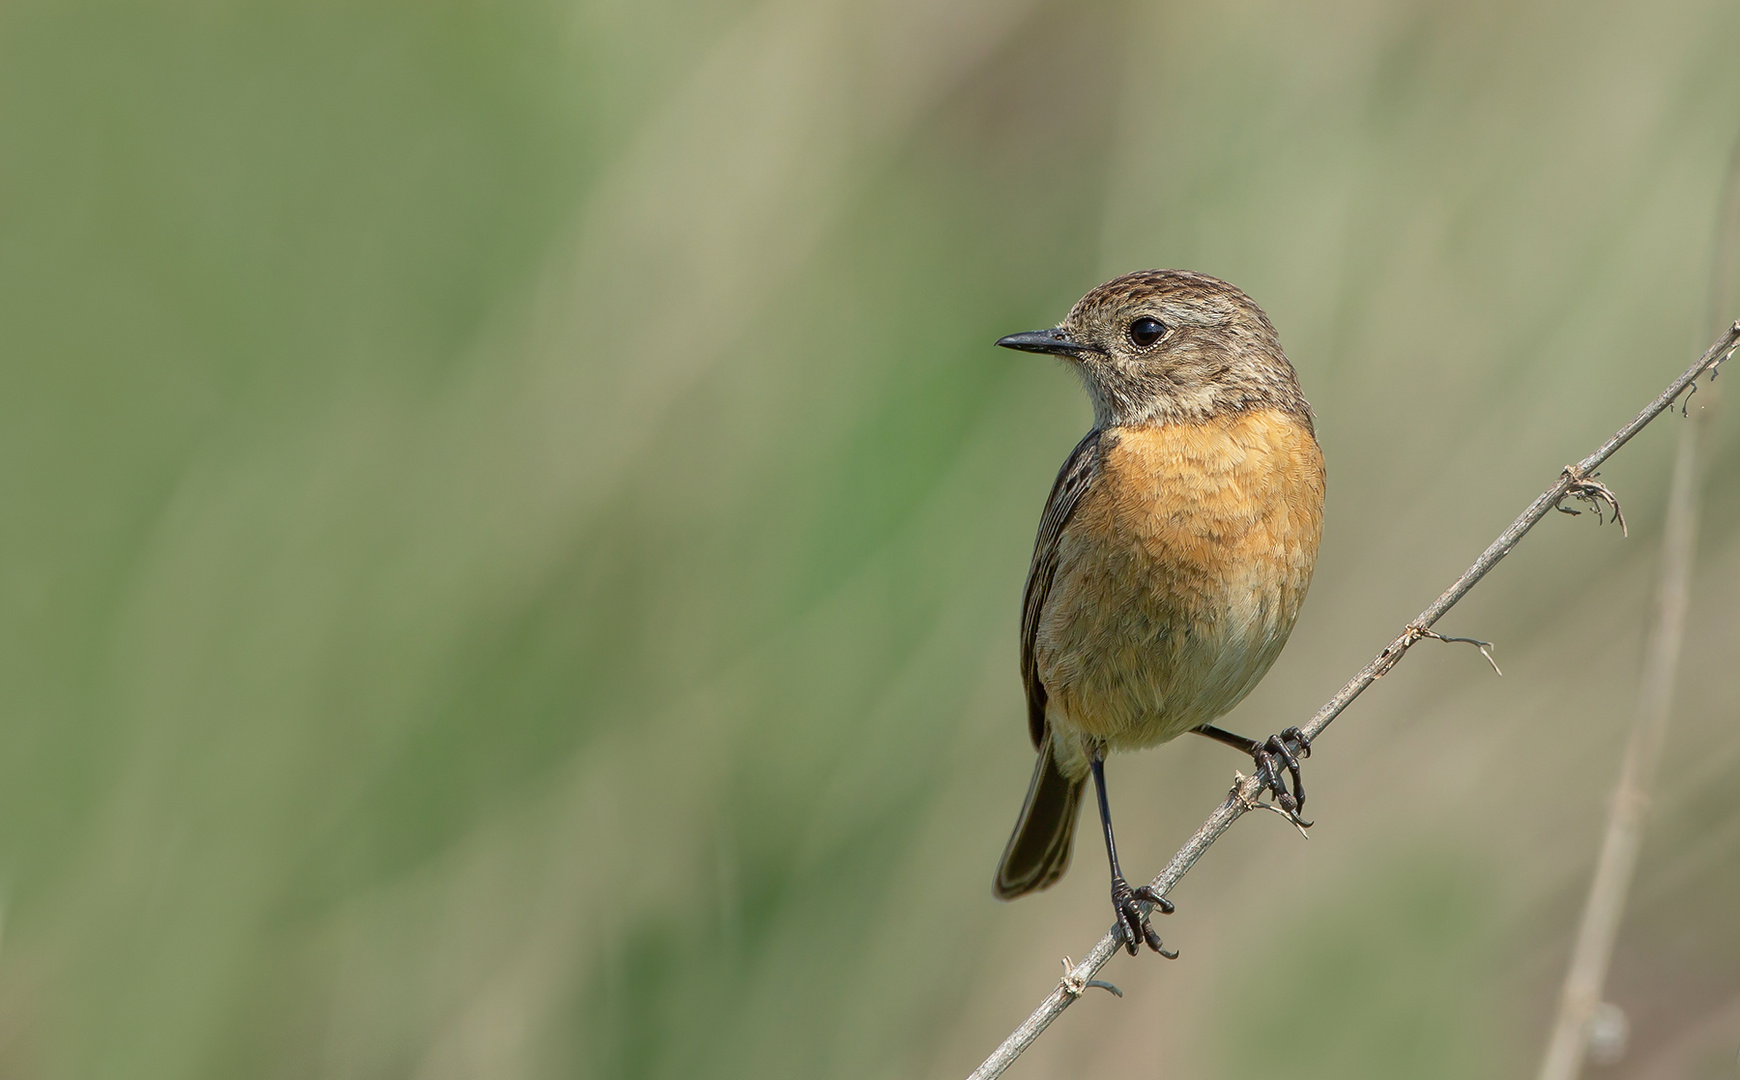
1125, 900
1271, 756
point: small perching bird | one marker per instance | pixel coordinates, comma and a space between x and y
1172, 558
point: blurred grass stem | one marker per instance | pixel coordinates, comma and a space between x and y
1575, 481
1605, 907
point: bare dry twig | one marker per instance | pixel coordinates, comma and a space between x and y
1576, 481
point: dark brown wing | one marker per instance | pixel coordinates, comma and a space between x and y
1072, 480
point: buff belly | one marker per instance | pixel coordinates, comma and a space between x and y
1179, 578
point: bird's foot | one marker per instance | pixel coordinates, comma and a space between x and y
1134, 924
1283, 752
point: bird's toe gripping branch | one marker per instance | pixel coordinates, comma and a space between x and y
1283, 752
1133, 921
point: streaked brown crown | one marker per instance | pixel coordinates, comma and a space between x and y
1217, 352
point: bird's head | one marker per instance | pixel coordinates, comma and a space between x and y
1170, 346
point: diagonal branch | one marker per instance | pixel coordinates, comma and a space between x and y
1575, 481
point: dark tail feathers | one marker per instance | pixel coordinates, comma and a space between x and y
1038, 853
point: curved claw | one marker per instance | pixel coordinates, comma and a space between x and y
1159, 946
1136, 929
1277, 745
1145, 893
1270, 758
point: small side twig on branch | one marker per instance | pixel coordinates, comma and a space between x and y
1485, 647
1576, 481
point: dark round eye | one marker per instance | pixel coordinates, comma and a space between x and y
1145, 331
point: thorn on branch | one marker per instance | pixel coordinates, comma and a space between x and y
1237, 794
1595, 493
1075, 986
1485, 647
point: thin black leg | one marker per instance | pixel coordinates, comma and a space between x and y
1125, 900
1249, 746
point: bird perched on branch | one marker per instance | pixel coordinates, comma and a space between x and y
1172, 556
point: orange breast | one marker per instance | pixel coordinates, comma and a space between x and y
1180, 575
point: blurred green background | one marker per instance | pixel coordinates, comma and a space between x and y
513, 529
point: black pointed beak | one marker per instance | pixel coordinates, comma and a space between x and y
1053, 342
